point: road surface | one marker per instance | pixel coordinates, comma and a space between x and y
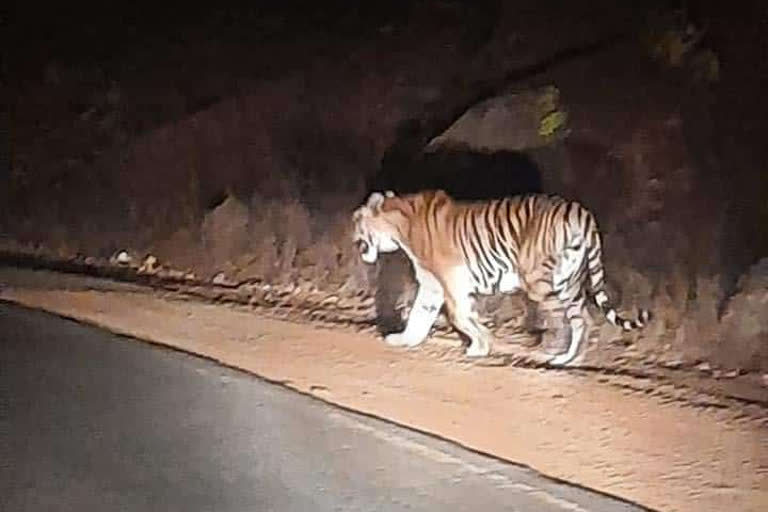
95, 421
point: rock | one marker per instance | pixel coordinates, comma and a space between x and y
221, 279
175, 274
745, 322
224, 231
510, 122
673, 364
121, 258
149, 265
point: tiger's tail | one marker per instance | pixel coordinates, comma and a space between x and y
597, 284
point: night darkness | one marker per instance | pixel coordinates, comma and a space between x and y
221, 151
138, 122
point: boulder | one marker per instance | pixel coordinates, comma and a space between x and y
513, 121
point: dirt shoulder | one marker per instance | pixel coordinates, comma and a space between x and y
649, 442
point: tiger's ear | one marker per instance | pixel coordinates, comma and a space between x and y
375, 200
396, 204
389, 193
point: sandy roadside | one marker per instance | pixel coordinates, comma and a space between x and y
636, 445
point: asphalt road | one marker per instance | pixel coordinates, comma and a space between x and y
94, 421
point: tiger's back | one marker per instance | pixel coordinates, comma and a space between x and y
493, 238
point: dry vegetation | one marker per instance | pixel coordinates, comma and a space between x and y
258, 183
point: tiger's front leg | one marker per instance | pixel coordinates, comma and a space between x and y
426, 307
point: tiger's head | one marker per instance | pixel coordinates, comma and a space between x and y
378, 226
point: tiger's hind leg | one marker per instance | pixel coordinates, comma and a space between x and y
553, 327
424, 312
568, 279
574, 315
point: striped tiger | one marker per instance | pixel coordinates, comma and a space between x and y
544, 245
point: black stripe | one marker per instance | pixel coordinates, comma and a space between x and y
456, 228
494, 237
588, 222
568, 208
521, 219
580, 277
461, 226
434, 213
484, 261
475, 262
529, 206
511, 222
504, 243
429, 230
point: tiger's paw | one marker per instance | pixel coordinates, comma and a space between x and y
394, 339
564, 359
399, 339
478, 350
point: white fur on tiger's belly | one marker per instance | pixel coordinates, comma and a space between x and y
509, 282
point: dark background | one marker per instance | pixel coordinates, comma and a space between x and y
129, 126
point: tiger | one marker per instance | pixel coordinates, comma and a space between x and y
541, 244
